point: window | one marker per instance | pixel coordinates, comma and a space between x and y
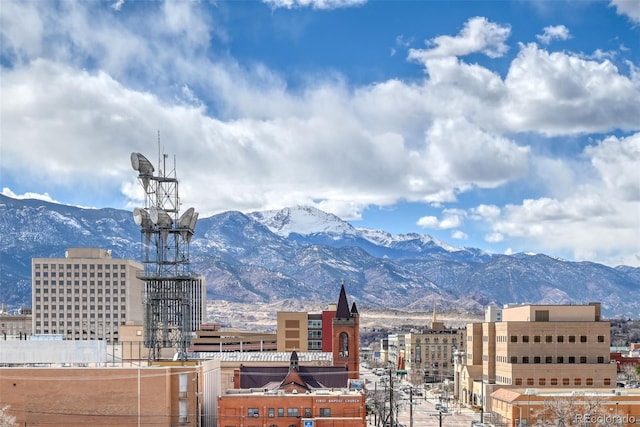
536, 338
253, 412
514, 338
536, 359
607, 381
518, 381
525, 359
583, 338
589, 381
560, 359
565, 381
292, 412
572, 359
514, 359
560, 338
344, 344
307, 412
548, 359
525, 338
583, 359
554, 381
600, 359
542, 381
529, 381
281, 412
548, 338
271, 412
600, 338
325, 412
577, 381
572, 338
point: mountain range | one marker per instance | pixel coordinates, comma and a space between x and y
301, 253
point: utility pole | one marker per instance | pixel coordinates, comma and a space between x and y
411, 407
391, 422
440, 416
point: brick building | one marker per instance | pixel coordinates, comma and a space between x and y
291, 398
336, 331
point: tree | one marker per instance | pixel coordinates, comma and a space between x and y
574, 411
7, 420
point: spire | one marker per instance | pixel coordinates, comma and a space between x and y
342, 311
354, 309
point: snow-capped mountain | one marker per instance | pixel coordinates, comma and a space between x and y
303, 253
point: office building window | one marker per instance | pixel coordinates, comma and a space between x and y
253, 412
583, 338
325, 412
292, 412
600, 338
560, 338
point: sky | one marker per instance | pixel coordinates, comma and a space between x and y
509, 126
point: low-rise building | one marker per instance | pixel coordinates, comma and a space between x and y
297, 397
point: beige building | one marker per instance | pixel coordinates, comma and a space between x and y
15, 325
86, 295
169, 395
292, 331
536, 346
426, 355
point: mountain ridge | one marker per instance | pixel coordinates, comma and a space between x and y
302, 252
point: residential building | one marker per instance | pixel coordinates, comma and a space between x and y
536, 346
86, 295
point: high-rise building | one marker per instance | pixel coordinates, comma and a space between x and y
86, 295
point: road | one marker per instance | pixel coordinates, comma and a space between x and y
424, 412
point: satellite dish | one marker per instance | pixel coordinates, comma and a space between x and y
141, 217
141, 164
185, 218
159, 217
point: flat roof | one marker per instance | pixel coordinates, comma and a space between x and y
264, 356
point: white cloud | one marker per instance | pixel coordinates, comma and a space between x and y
243, 140
45, 197
452, 218
557, 32
477, 35
597, 221
630, 8
459, 235
559, 93
494, 237
314, 4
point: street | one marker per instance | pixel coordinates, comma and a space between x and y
424, 411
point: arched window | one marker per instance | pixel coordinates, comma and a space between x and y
344, 344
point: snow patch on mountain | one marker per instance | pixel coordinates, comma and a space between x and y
303, 220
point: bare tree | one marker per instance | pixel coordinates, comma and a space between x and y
576, 411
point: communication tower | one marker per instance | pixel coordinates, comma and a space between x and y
173, 295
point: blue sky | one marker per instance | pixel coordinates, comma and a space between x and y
506, 126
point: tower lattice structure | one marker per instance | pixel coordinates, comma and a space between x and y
171, 290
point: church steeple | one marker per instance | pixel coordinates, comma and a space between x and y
342, 312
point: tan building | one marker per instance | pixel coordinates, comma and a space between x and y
15, 325
426, 355
151, 396
86, 295
556, 406
536, 346
293, 331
